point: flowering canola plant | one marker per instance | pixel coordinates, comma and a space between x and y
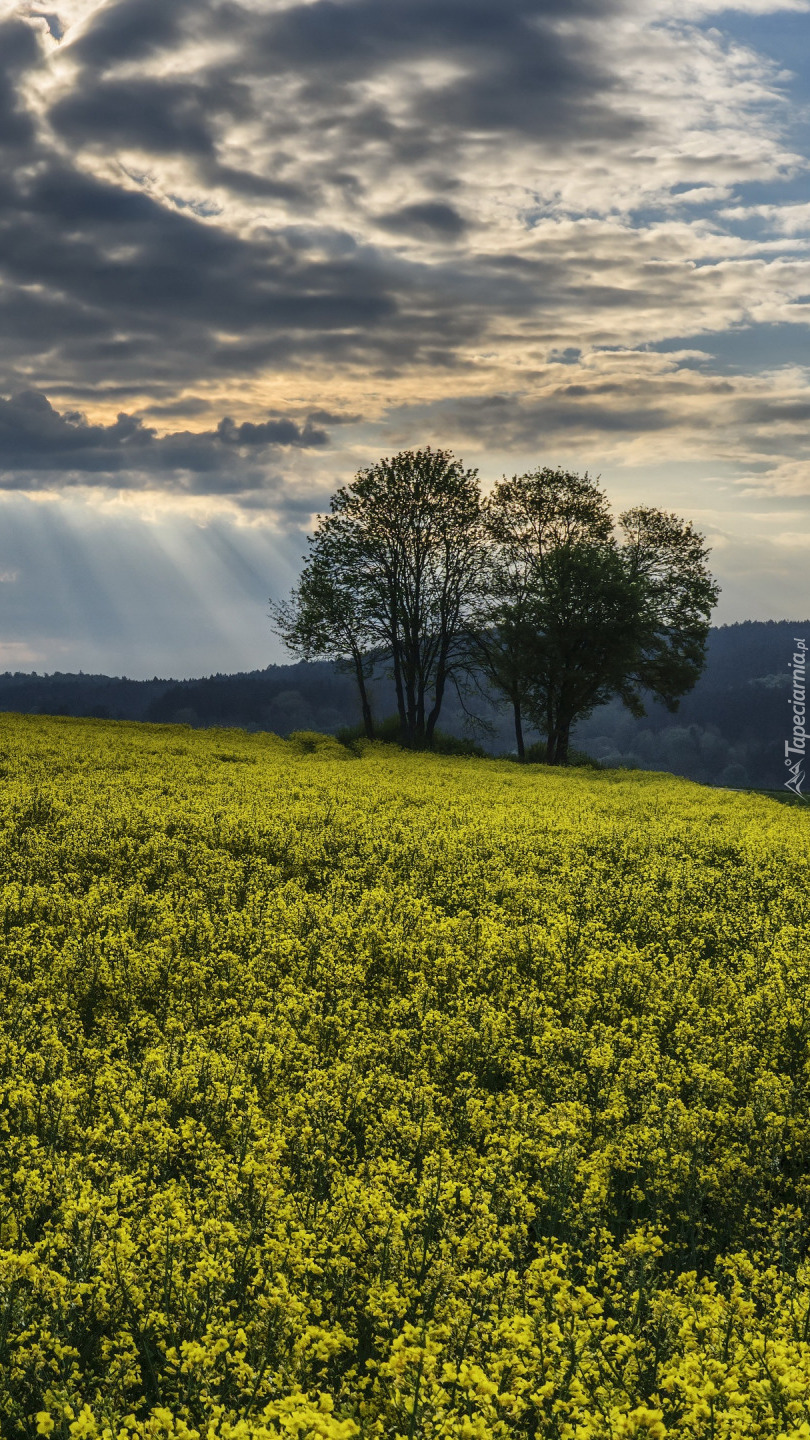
385, 1095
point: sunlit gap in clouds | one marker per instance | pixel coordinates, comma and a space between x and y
108, 589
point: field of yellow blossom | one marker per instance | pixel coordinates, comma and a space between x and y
385, 1095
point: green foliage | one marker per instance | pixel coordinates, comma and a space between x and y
667, 558
389, 731
537, 755
390, 575
393, 1095
569, 617
310, 742
325, 617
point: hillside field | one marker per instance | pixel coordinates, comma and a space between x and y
396, 1096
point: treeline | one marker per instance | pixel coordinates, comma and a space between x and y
534, 594
103, 697
729, 730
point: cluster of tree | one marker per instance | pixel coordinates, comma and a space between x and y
534, 593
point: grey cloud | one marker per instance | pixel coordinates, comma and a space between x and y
18, 52
514, 69
776, 412
357, 36
270, 432
109, 284
119, 285
162, 116
167, 116
188, 405
511, 422
329, 417
428, 219
512, 72
247, 183
132, 30
41, 446
730, 418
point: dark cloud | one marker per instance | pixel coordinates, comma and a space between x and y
18, 52
521, 70
329, 417
511, 422
131, 30
106, 281
186, 405
270, 432
776, 412
168, 116
428, 219
39, 446
161, 116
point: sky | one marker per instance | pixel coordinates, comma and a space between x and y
249, 246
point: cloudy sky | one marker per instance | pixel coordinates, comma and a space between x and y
247, 246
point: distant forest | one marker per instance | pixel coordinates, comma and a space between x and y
729, 730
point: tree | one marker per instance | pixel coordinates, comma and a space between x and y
323, 619
531, 521
573, 617
503, 634
405, 538
667, 556
588, 613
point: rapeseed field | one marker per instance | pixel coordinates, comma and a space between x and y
387, 1095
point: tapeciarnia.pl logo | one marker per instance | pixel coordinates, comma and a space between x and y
796, 773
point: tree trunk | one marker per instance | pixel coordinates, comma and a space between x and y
551, 733
433, 717
438, 694
420, 713
397, 662
368, 719
521, 748
562, 745
410, 733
